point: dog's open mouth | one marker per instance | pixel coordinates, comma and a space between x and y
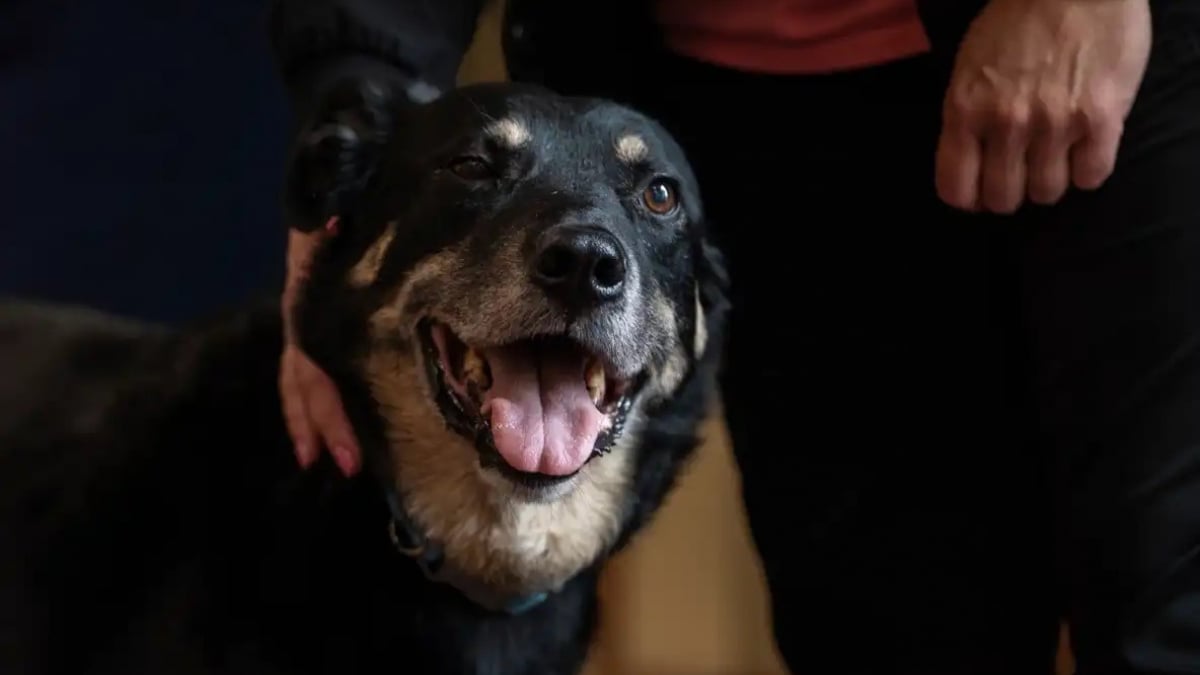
537, 409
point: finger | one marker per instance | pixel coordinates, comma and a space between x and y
1095, 156
325, 406
1002, 180
328, 415
1003, 174
1048, 163
957, 167
295, 416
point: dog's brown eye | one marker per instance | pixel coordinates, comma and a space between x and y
471, 168
660, 197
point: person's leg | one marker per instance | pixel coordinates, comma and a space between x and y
1112, 295
868, 381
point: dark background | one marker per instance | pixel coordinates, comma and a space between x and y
141, 150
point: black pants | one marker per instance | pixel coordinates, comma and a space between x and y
954, 430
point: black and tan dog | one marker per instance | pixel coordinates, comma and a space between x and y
523, 316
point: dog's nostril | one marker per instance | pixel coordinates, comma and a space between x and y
555, 263
609, 271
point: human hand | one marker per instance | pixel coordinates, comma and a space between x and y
312, 407
1038, 99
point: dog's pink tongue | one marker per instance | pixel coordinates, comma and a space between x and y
543, 420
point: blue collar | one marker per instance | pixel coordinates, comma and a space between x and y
409, 540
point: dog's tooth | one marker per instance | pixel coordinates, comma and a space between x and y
594, 377
475, 370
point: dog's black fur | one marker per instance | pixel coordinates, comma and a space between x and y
152, 517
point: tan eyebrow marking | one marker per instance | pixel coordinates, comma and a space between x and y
512, 133
631, 148
367, 268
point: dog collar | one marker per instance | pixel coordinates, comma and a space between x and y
427, 553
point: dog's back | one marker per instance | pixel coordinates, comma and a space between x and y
43, 347
93, 493
60, 365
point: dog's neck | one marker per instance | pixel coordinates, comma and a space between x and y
409, 539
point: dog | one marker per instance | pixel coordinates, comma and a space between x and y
523, 314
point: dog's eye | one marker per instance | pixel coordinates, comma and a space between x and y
472, 168
660, 197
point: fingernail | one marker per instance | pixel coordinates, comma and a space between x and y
345, 460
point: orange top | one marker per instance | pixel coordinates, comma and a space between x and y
793, 36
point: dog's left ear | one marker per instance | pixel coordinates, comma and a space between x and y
337, 152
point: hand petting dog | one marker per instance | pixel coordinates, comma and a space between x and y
1037, 100
312, 407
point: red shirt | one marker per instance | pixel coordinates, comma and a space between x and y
793, 36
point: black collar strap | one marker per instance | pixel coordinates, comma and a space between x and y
409, 540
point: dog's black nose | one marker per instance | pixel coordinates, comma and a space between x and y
581, 266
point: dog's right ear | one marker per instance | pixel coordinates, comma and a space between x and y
336, 152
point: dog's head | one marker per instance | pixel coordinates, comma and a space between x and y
521, 309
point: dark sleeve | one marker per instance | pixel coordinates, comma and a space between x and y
415, 45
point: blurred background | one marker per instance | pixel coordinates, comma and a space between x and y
131, 128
